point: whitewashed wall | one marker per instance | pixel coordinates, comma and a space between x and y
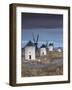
30, 51
59, 50
50, 48
43, 50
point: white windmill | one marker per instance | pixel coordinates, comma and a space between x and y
30, 51
51, 46
43, 50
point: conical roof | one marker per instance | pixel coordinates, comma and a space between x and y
30, 43
50, 44
43, 46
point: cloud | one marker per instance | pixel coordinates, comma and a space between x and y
31, 20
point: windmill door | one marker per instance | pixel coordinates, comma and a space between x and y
29, 56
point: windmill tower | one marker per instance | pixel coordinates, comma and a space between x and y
51, 46
30, 51
43, 50
36, 43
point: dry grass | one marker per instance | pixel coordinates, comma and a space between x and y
43, 66
27, 72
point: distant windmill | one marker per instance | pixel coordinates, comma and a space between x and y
51, 46
35, 40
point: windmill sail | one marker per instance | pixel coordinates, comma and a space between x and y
33, 37
37, 38
46, 43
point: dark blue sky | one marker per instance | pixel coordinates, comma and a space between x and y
48, 26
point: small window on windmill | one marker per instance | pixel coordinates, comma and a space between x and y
29, 52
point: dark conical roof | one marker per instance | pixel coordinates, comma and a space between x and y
30, 43
43, 46
50, 44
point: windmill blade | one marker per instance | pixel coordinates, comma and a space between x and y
33, 37
37, 38
46, 43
